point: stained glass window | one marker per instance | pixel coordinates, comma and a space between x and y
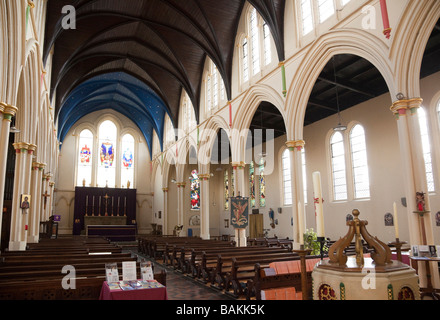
85, 161
127, 169
233, 183
252, 184
255, 37
195, 190
226, 188
107, 141
262, 184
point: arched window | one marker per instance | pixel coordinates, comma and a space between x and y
169, 132
215, 89
107, 161
252, 184
304, 173
195, 190
326, 8
245, 60
306, 16
255, 39
127, 168
267, 46
287, 181
85, 160
426, 145
359, 162
188, 114
338, 167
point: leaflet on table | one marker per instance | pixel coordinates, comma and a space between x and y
147, 270
111, 272
149, 284
129, 271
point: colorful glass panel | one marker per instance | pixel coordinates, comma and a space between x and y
252, 184
195, 190
262, 185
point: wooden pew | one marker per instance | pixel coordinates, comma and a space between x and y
243, 270
215, 264
288, 276
38, 274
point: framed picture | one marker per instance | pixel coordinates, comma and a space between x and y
25, 201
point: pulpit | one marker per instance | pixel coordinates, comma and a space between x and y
103, 206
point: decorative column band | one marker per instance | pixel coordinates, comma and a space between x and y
204, 176
400, 107
181, 184
7, 110
21, 147
297, 144
165, 189
283, 75
239, 165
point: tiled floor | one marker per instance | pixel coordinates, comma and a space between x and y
181, 287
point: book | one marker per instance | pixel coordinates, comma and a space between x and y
125, 285
113, 285
111, 272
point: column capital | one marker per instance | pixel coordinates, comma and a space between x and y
238, 164
204, 176
8, 110
400, 107
165, 189
32, 148
21, 146
295, 144
51, 184
181, 184
31, 4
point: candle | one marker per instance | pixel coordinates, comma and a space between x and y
396, 223
318, 204
87, 200
301, 223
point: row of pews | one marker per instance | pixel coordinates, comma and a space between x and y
70, 268
220, 264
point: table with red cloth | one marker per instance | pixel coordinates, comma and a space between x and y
135, 294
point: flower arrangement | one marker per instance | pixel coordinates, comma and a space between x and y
311, 243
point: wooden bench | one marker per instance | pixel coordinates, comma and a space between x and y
39, 275
243, 270
214, 265
286, 274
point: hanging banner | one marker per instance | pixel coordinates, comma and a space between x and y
239, 212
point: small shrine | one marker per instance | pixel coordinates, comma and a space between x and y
363, 276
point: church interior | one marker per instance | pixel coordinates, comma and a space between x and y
249, 149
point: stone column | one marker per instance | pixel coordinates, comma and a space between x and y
295, 148
45, 194
204, 206
19, 221
239, 187
34, 214
414, 173
6, 114
165, 211
180, 202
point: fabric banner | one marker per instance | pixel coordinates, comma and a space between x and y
239, 212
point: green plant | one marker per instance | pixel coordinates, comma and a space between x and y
311, 243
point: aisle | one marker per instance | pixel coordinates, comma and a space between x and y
181, 287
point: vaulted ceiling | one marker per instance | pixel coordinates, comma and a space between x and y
136, 56
162, 43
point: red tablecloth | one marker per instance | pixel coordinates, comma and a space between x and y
405, 258
137, 294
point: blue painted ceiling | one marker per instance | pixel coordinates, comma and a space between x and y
120, 92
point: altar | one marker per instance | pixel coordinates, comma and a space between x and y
103, 207
104, 221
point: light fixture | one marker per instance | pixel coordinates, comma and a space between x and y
173, 180
339, 127
13, 129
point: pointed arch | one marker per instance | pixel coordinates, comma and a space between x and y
356, 42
